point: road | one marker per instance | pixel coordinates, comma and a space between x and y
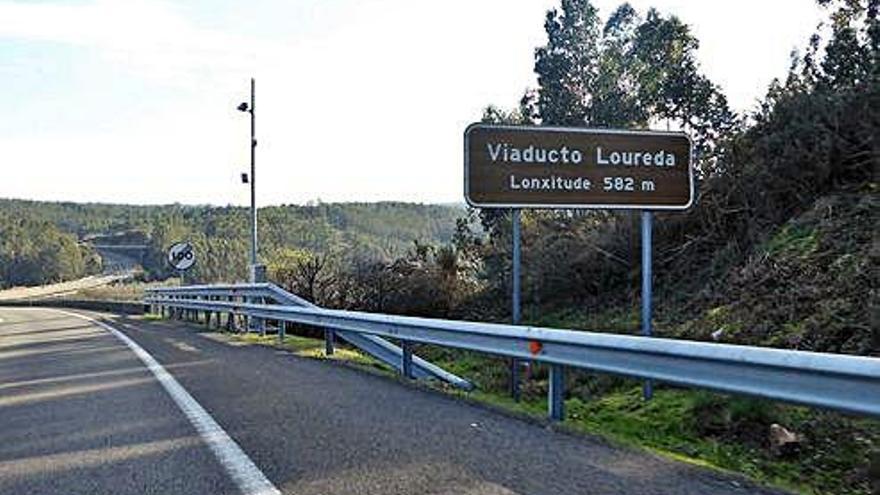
81, 412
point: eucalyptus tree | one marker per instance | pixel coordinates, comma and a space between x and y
631, 72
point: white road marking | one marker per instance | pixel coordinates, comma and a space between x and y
246, 474
183, 346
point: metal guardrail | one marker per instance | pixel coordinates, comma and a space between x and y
377, 347
846, 383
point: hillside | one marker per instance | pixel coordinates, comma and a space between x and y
348, 230
810, 285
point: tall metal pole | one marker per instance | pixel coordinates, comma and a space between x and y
647, 220
515, 297
515, 310
253, 182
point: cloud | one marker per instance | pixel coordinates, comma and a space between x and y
367, 102
152, 38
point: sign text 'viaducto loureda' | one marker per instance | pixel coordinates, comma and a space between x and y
548, 167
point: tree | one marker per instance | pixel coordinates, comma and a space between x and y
633, 73
851, 56
302, 272
567, 65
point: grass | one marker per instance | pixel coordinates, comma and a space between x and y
799, 241
674, 425
616, 320
667, 425
728, 433
311, 348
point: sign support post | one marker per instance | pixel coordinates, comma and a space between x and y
181, 256
560, 168
515, 296
647, 225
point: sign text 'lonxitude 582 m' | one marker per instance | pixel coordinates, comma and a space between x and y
547, 167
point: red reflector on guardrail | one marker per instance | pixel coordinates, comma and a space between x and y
535, 347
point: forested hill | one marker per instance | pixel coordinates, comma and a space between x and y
40, 241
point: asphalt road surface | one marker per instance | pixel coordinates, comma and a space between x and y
171, 410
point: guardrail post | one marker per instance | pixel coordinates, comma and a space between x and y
216, 314
555, 404
207, 312
219, 323
329, 337
261, 323
248, 321
406, 365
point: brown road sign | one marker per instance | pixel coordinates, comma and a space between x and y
551, 167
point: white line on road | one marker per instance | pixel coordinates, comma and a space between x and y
248, 477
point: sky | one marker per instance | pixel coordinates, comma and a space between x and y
134, 101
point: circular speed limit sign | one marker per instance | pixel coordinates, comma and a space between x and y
181, 255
